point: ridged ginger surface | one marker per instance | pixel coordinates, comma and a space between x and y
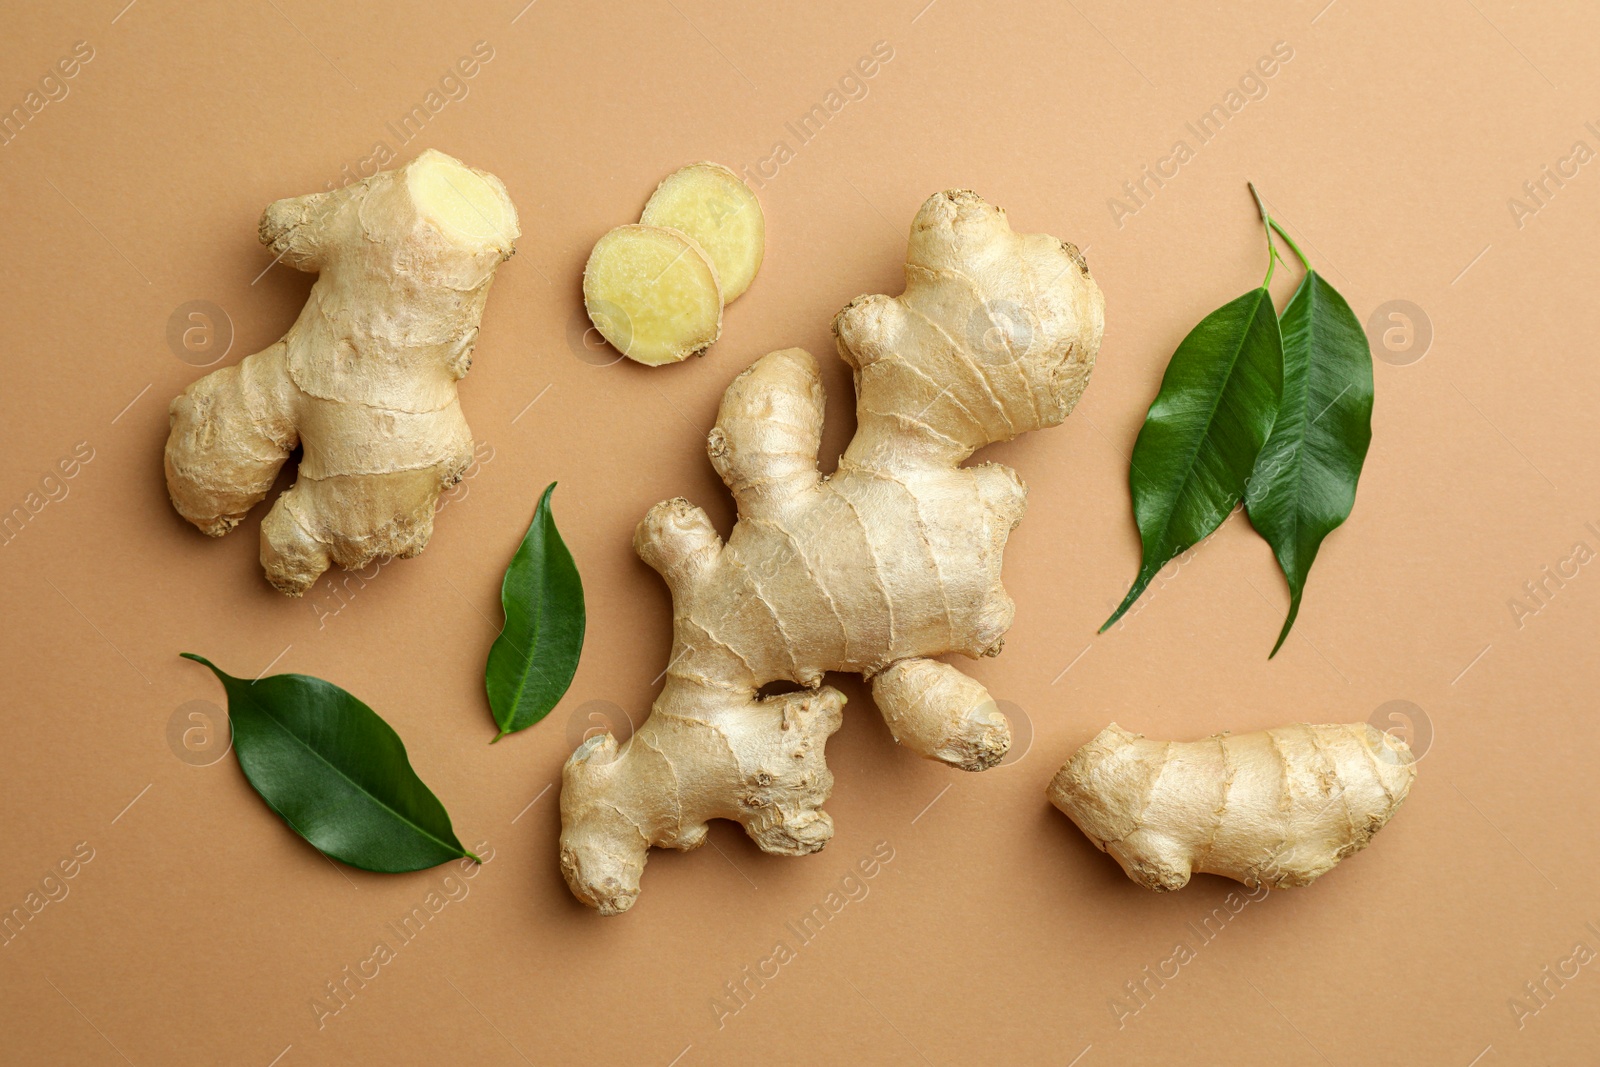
1277, 807
873, 570
365, 379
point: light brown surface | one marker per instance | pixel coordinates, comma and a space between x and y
202, 930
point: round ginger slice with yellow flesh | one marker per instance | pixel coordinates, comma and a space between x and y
653, 294
708, 202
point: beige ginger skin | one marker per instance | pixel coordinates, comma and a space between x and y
1278, 808
874, 570
365, 379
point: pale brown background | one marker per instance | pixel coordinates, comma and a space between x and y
203, 929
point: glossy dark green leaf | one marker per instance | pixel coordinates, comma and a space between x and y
534, 658
1304, 483
1199, 441
336, 772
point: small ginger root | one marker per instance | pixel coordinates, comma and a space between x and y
720, 212
365, 380
873, 570
655, 290
1278, 807
653, 294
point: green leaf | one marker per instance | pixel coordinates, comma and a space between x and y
1199, 441
1304, 483
336, 772
534, 658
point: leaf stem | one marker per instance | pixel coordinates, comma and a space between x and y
1304, 262
1266, 224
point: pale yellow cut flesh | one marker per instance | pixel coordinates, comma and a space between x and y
453, 197
652, 294
708, 202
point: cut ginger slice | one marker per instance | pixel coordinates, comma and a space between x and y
653, 294
708, 202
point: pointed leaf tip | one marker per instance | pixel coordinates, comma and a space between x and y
1283, 634
1192, 461
533, 661
336, 773
1304, 482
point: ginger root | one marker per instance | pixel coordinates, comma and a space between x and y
873, 570
1278, 807
365, 380
655, 290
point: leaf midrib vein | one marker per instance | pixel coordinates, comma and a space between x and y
1188, 469
534, 622
270, 717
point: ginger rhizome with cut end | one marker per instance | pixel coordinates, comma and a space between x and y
873, 570
655, 290
1278, 807
365, 379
